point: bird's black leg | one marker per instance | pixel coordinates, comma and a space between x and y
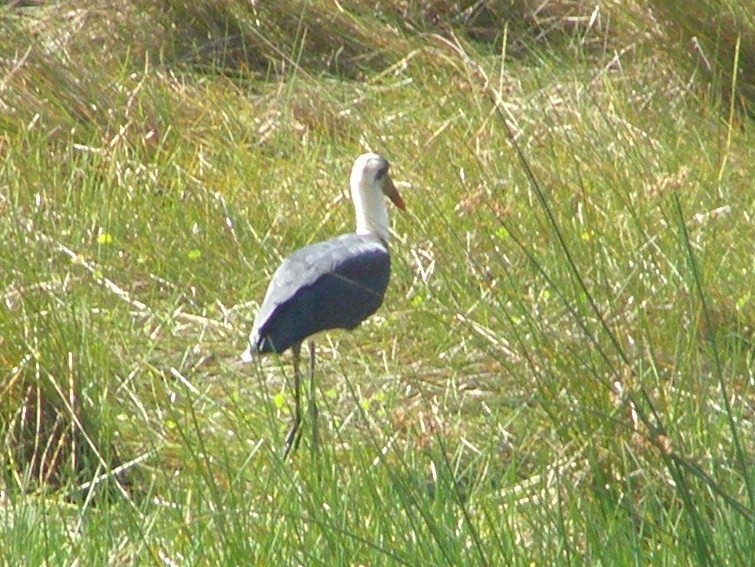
312, 402
292, 439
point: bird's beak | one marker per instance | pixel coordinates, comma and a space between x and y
390, 191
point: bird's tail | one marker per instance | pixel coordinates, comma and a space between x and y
248, 355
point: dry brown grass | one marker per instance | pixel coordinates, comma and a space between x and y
716, 42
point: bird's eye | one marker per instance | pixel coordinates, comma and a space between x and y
381, 172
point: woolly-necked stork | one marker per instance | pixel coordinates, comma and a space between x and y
335, 284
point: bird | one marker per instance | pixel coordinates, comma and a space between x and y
333, 284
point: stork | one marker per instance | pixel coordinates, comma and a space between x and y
334, 284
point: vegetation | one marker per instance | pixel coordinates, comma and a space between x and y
562, 373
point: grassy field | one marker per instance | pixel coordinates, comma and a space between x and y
563, 371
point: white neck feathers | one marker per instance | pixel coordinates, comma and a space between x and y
369, 202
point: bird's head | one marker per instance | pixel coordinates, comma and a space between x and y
369, 176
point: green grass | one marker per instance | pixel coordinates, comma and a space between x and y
562, 371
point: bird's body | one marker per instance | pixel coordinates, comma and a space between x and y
335, 284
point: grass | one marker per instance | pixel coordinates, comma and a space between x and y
562, 372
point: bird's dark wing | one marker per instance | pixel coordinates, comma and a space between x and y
333, 284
